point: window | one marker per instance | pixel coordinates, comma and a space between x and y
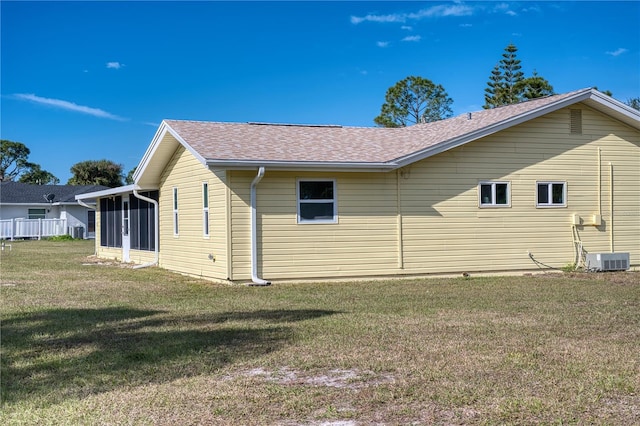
37, 213
91, 221
551, 194
111, 222
205, 209
494, 194
175, 211
316, 201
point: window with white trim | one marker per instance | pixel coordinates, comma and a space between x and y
37, 213
175, 211
205, 209
494, 194
317, 201
551, 194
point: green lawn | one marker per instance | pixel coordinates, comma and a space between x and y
95, 343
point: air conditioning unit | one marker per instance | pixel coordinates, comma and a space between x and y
607, 261
76, 232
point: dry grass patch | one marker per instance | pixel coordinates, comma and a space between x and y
102, 344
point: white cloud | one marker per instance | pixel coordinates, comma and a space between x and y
406, 27
382, 44
466, 25
619, 51
511, 13
431, 12
69, 106
114, 65
412, 38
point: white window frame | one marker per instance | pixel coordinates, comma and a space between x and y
550, 203
334, 200
205, 209
175, 211
493, 203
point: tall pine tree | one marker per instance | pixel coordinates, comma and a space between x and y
507, 84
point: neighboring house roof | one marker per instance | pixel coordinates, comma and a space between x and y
286, 146
25, 193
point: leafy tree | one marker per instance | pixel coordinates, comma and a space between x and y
507, 84
129, 179
534, 87
100, 172
14, 163
634, 103
13, 159
414, 100
35, 175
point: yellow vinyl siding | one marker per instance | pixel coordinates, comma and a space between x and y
444, 231
142, 256
363, 242
189, 252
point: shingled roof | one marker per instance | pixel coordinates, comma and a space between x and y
24, 193
287, 146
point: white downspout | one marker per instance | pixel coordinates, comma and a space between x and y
156, 229
254, 231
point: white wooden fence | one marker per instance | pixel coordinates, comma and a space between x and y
11, 229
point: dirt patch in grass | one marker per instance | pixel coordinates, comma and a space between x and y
96, 261
335, 378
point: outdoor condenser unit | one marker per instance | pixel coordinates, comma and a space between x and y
607, 261
76, 232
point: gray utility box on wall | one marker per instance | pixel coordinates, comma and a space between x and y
607, 261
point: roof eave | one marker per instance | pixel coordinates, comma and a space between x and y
301, 165
614, 108
155, 152
107, 192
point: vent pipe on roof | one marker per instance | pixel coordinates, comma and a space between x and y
254, 231
469, 116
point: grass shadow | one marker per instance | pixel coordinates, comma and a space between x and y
57, 354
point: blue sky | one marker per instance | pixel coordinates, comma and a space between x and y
93, 80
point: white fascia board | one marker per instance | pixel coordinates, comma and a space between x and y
315, 166
27, 204
617, 109
142, 165
155, 144
107, 192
